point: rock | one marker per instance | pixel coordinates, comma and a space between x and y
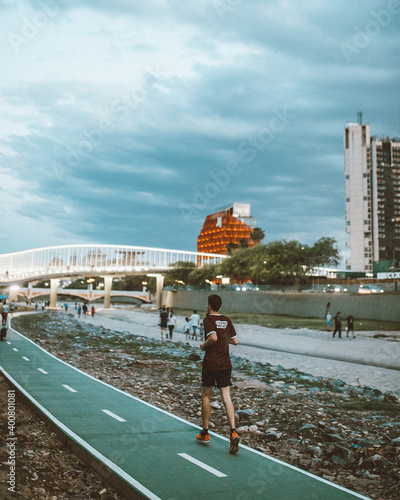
215, 405
243, 429
194, 357
396, 442
340, 455
253, 428
315, 450
307, 429
272, 435
333, 437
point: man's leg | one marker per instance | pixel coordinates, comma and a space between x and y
205, 405
230, 411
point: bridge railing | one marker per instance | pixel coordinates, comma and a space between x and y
107, 259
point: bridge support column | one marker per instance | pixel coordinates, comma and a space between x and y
13, 293
159, 290
53, 293
107, 291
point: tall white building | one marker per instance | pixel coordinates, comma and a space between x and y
372, 190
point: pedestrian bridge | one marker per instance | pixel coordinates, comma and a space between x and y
87, 295
107, 261
93, 260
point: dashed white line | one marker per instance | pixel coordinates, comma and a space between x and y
42, 371
8, 342
15, 349
69, 388
25, 358
202, 465
113, 415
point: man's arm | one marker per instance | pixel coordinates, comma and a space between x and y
234, 340
211, 339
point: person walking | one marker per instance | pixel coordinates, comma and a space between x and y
194, 320
93, 311
163, 322
338, 325
171, 323
4, 313
219, 332
350, 325
328, 321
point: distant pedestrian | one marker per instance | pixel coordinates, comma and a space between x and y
171, 322
350, 325
66, 307
93, 310
201, 330
328, 321
219, 332
4, 313
187, 327
163, 322
12, 307
338, 325
79, 310
194, 320
3, 333
84, 309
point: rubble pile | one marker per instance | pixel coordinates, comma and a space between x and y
348, 435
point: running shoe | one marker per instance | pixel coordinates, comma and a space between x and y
234, 448
204, 437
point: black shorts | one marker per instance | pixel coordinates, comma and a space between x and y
216, 378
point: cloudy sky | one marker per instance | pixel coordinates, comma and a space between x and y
128, 122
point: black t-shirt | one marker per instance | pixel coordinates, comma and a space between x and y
217, 355
164, 319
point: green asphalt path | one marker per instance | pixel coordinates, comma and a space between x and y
153, 451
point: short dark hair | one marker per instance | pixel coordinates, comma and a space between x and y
215, 302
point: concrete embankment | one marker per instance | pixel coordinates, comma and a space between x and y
384, 307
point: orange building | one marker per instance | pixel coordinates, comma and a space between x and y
228, 225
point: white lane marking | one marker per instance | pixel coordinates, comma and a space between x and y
8, 342
69, 388
25, 358
42, 371
100, 457
15, 349
202, 465
113, 415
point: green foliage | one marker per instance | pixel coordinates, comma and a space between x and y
279, 262
257, 235
179, 271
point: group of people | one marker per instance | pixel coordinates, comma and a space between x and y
168, 321
80, 308
337, 323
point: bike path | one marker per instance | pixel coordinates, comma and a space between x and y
154, 453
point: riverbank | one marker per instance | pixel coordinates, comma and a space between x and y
349, 435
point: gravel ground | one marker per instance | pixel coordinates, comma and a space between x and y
349, 435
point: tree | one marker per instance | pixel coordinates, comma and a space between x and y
179, 272
231, 247
257, 235
199, 275
324, 253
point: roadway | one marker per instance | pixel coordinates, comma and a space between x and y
148, 452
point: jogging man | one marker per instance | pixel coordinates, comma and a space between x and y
219, 332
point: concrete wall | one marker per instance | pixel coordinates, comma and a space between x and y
384, 307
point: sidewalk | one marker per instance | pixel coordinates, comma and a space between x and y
365, 360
